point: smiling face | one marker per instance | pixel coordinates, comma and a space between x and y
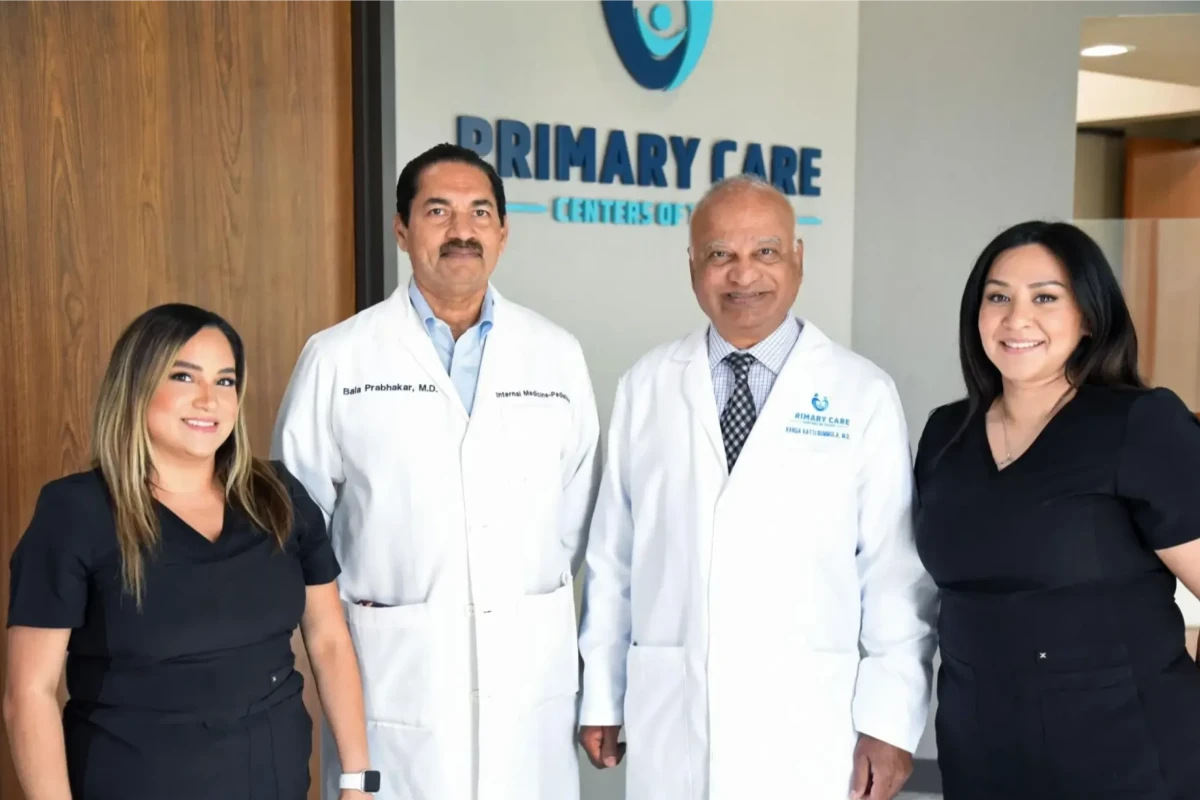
746, 264
454, 234
193, 410
1029, 322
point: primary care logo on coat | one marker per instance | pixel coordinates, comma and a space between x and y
580, 154
820, 424
655, 59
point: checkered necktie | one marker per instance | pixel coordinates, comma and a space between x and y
738, 417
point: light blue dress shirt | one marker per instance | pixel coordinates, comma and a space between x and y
461, 359
770, 354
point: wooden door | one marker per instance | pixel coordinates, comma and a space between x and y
1161, 270
152, 152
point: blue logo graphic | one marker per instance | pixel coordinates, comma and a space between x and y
655, 60
820, 403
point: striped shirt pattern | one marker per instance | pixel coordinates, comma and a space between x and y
770, 355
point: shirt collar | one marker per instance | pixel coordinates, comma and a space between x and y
771, 352
431, 321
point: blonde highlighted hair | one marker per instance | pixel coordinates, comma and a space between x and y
140, 362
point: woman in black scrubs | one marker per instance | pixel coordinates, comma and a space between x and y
1058, 504
170, 579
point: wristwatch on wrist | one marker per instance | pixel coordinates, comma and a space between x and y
362, 781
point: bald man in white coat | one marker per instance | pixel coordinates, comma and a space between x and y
755, 613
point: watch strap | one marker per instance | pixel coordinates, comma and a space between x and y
367, 781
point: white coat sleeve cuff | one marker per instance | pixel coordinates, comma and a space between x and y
891, 707
602, 702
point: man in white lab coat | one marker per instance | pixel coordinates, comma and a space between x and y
755, 614
450, 436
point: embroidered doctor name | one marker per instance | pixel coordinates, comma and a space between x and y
827, 426
533, 393
389, 387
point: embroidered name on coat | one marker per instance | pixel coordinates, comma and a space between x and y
389, 387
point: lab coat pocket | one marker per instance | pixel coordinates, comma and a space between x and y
549, 641
816, 687
658, 758
395, 647
409, 762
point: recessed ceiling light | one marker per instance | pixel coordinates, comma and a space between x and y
1103, 50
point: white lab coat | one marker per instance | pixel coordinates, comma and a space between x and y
470, 529
724, 614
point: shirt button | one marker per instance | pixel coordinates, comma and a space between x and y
274, 679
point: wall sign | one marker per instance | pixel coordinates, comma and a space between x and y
656, 60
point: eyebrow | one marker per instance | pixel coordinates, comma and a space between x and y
1034, 285
190, 365
761, 240
441, 201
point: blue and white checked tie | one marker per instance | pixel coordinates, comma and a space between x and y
738, 417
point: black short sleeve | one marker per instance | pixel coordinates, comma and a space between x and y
48, 573
317, 559
1160, 459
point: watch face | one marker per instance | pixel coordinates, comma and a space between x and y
370, 781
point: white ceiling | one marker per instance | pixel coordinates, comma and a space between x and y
1167, 47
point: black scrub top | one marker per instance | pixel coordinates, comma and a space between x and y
194, 696
1064, 671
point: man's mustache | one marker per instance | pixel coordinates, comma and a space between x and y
461, 244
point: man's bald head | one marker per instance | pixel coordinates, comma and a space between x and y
746, 262
734, 189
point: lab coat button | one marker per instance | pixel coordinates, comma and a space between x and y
469, 611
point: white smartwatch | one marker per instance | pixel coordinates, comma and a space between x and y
361, 781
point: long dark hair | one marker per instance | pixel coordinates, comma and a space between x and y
140, 361
1106, 356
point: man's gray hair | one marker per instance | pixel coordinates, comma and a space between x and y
738, 182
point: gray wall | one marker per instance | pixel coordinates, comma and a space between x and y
965, 125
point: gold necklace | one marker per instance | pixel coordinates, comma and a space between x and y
1008, 456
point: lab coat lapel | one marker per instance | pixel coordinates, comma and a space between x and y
698, 389
766, 435
499, 344
410, 330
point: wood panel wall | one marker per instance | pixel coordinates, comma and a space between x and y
153, 152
